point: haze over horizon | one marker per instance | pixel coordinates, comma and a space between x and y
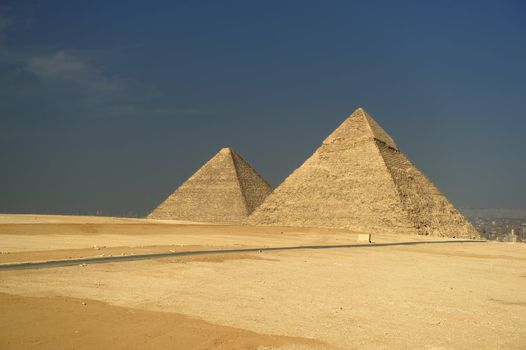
105, 107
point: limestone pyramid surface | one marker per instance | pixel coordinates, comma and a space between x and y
358, 179
224, 190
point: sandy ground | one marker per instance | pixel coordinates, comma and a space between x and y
94, 326
62, 219
433, 296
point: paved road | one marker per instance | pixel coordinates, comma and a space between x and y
120, 258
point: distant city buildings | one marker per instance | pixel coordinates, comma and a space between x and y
500, 229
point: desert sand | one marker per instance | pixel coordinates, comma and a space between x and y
443, 295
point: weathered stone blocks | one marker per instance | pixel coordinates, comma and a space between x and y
224, 190
359, 179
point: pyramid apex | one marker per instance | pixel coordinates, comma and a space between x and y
226, 150
359, 110
360, 125
376, 130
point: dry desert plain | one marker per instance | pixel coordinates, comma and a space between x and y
445, 294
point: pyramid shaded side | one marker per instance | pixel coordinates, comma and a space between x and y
428, 209
253, 187
212, 194
344, 184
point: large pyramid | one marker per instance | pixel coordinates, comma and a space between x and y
224, 190
359, 179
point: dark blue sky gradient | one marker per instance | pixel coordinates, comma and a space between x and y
111, 105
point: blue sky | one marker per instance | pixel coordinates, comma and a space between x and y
111, 105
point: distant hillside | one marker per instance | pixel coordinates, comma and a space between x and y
495, 213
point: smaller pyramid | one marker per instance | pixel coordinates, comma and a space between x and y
224, 190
